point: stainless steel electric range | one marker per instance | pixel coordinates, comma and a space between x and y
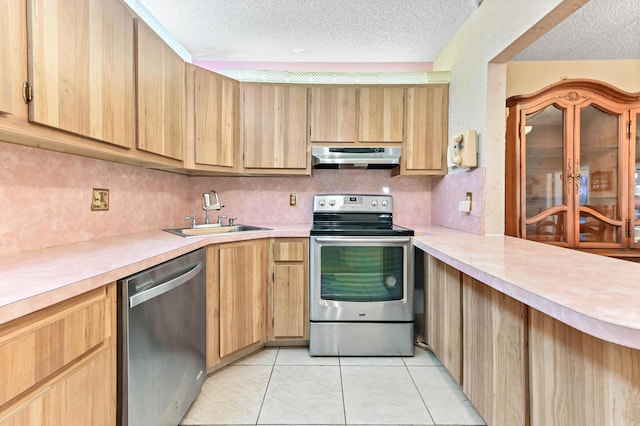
361, 278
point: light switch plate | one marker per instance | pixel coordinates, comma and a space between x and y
100, 199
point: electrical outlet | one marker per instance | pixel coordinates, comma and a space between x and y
100, 199
466, 205
293, 199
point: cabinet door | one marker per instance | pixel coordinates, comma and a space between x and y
577, 379
444, 318
216, 125
161, 95
289, 300
381, 114
243, 286
274, 128
494, 358
547, 137
81, 68
11, 50
333, 114
600, 173
426, 131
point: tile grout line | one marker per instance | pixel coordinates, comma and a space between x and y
266, 389
344, 404
418, 390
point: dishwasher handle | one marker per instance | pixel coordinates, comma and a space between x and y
164, 287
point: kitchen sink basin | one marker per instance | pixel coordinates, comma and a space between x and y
200, 230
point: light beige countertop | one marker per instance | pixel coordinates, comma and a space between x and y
33, 280
597, 295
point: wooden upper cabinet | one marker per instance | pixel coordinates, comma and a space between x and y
81, 68
161, 95
349, 114
381, 114
275, 128
425, 149
8, 13
333, 114
215, 120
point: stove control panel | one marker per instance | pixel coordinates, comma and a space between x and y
352, 203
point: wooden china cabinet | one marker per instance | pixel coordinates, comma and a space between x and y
572, 166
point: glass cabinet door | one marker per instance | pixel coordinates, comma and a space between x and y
635, 181
545, 204
598, 177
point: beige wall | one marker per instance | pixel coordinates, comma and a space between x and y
529, 76
476, 58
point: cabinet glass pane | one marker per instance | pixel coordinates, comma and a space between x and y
598, 175
549, 229
544, 150
636, 188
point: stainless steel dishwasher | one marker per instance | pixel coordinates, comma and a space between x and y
161, 341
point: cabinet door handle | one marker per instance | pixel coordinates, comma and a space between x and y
569, 175
578, 176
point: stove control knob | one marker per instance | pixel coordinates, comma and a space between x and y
374, 203
332, 202
322, 203
385, 203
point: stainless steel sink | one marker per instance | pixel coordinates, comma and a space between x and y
213, 229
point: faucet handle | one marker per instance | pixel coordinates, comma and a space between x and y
193, 221
220, 217
232, 220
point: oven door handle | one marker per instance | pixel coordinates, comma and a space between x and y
345, 239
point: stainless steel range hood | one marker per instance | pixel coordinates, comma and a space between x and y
355, 157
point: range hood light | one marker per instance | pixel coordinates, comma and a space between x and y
355, 157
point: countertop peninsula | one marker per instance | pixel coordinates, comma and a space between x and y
597, 295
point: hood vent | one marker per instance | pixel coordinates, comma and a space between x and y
355, 158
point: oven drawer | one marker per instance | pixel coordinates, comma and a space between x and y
361, 339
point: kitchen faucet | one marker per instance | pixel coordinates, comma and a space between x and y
207, 206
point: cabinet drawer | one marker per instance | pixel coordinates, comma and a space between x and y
81, 398
288, 251
38, 345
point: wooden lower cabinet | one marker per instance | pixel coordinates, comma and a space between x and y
494, 358
521, 367
289, 292
444, 314
237, 275
577, 379
58, 365
79, 398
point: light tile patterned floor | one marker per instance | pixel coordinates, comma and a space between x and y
286, 386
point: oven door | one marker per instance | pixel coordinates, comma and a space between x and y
361, 279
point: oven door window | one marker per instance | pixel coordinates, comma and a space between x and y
361, 273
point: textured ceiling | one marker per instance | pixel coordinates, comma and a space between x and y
376, 30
